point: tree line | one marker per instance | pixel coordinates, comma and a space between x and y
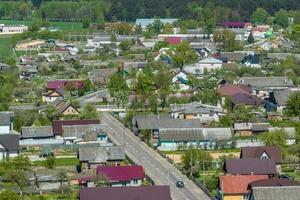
207, 11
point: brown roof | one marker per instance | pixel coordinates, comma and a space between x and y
276, 182
126, 193
237, 184
232, 89
249, 166
58, 124
273, 152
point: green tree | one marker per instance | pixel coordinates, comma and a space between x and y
86, 22
100, 21
118, 88
274, 138
293, 105
226, 39
195, 160
168, 28
125, 45
62, 177
259, 16
50, 162
163, 82
157, 26
183, 54
281, 18
89, 111
242, 114
250, 38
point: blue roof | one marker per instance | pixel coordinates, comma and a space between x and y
148, 21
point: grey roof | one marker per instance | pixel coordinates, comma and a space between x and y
29, 69
6, 118
10, 142
99, 154
234, 56
251, 126
159, 122
195, 108
79, 131
290, 131
148, 21
194, 134
37, 131
266, 82
276, 193
282, 96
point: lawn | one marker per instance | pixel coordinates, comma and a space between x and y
60, 162
65, 26
5, 46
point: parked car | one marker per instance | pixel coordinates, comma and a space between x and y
180, 184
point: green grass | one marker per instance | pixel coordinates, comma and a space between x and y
5, 46
60, 162
65, 26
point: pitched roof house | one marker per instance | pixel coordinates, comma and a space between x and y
6, 122
236, 186
275, 193
245, 99
62, 107
273, 182
126, 193
62, 84
58, 124
91, 155
36, 132
52, 95
9, 145
250, 166
122, 175
259, 83
232, 89
263, 152
251, 61
173, 40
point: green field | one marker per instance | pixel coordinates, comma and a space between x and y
60, 162
65, 26
5, 46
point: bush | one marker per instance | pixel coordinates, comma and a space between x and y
50, 162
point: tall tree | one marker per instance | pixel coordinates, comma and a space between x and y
293, 105
282, 18
259, 16
118, 88
89, 111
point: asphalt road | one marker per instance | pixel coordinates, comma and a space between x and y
155, 166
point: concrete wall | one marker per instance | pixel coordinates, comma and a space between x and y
4, 129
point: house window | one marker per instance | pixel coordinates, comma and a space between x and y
245, 197
124, 184
264, 156
135, 181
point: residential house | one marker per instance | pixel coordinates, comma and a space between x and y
61, 106
101, 76
63, 84
251, 61
36, 132
235, 187
53, 95
157, 192
231, 25
229, 90
278, 99
245, 99
205, 138
262, 152
275, 193
263, 85
93, 155
196, 110
250, 166
273, 182
28, 72
59, 124
249, 128
233, 57
163, 55
153, 123
181, 80
12, 29
6, 122
118, 176
9, 145
88, 132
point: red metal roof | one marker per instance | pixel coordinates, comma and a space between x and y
126, 193
232, 89
233, 24
57, 84
121, 173
274, 152
173, 40
238, 184
58, 124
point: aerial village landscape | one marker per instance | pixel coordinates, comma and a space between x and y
139, 100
